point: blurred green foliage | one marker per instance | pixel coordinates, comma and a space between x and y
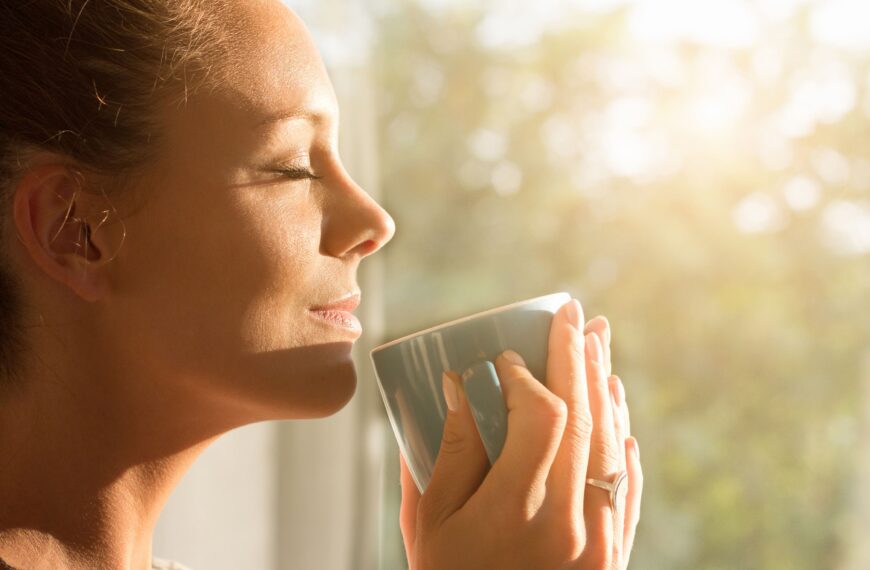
727, 255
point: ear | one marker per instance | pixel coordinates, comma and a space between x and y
56, 222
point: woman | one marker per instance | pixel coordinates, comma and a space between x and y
175, 223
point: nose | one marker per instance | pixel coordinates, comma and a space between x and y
353, 222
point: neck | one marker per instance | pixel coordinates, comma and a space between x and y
87, 468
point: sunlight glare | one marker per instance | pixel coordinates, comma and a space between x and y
726, 23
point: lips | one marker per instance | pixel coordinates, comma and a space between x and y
345, 304
338, 313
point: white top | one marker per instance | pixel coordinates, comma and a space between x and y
161, 564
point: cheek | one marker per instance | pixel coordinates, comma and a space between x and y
273, 288
208, 282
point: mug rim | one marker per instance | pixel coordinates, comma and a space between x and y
487, 312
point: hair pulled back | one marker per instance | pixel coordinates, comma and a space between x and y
84, 78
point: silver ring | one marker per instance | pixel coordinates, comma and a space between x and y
612, 488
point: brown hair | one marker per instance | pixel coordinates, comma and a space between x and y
84, 78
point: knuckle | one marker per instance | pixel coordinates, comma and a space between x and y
607, 454
453, 443
550, 421
545, 406
576, 440
604, 447
550, 408
581, 425
558, 410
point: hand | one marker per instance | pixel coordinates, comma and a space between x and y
630, 453
533, 509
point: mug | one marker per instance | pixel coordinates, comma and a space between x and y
409, 371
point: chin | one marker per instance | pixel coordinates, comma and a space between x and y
302, 383
342, 382
320, 393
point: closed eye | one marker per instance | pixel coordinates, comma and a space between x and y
298, 173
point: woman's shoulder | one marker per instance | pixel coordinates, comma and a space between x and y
161, 564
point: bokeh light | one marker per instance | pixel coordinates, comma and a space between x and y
698, 171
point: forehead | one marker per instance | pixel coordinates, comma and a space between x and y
272, 67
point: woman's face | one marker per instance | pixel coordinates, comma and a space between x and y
228, 254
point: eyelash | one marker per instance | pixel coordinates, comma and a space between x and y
298, 174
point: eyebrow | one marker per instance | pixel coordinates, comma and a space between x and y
312, 116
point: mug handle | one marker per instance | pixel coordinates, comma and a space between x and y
488, 408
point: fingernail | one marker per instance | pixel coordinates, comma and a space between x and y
593, 348
451, 391
634, 446
573, 313
513, 357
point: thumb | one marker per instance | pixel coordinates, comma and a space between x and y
462, 464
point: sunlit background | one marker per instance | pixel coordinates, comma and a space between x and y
698, 171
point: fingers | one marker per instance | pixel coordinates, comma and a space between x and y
566, 378
635, 478
625, 520
632, 502
408, 510
536, 421
601, 326
614, 385
619, 429
604, 457
626, 418
461, 465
